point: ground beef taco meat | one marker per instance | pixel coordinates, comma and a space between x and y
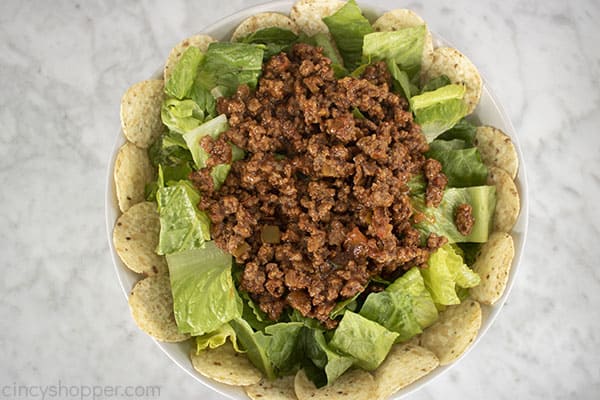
320, 203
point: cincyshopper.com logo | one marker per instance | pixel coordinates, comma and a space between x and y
81, 392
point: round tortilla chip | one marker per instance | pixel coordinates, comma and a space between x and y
405, 18
454, 331
405, 364
508, 203
226, 365
151, 304
262, 21
132, 171
279, 389
140, 112
496, 149
352, 385
308, 14
199, 41
493, 264
136, 236
460, 70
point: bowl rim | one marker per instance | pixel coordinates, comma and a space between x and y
225, 26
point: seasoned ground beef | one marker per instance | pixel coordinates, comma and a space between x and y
320, 203
463, 218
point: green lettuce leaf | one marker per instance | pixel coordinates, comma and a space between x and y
394, 311
423, 306
252, 314
181, 116
169, 150
444, 93
274, 39
256, 345
284, 350
227, 65
446, 270
404, 47
205, 101
212, 128
329, 364
436, 83
462, 166
204, 296
401, 81
348, 27
184, 73
217, 338
440, 117
440, 220
182, 225
341, 307
463, 130
366, 341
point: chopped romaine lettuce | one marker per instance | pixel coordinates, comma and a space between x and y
439, 110
404, 47
462, 166
181, 116
182, 225
204, 296
217, 338
439, 95
423, 306
348, 27
440, 117
329, 364
394, 311
227, 65
169, 150
401, 81
219, 174
463, 130
274, 40
436, 83
256, 345
366, 341
212, 128
184, 73
447, 270
341, 307
284, 342
440, 220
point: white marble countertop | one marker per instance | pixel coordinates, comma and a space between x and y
63, 68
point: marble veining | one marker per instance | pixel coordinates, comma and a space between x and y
63, 68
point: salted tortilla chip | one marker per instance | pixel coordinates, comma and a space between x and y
279, 389
405, 364
136, 236
352, 385
132, 171
404, 18
140, 112
308, 14
199, 41
493, 264
225, 365
460, 70
151, 305
496, 149
508, 203
262, 21
454, 331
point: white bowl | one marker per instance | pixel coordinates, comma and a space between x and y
489, 112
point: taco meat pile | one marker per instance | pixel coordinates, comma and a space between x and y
320, 203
